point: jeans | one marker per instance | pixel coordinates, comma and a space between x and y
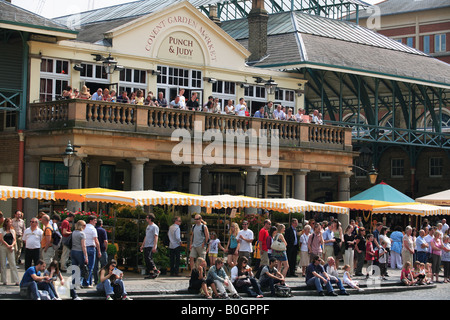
92, 257
253, 290
103, 261
148, 257
269, 282
107, 288
34, 288
77, 258
317, 282
174, 260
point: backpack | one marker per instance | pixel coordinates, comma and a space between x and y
258, 273
68, 241
56, 238
282, 291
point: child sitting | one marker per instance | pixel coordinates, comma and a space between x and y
406, 276
348, 280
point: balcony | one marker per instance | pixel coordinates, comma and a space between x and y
162, 122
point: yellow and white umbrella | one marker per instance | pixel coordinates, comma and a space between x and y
8, 192
78, 195
295, 205
145, 198
420, 209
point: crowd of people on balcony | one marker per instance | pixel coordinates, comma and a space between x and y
213, 105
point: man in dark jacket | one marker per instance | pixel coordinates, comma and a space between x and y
292, 247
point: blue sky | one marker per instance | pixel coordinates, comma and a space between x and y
57, 8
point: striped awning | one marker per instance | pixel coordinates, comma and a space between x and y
146, 198
8, 192
78, 195
419, 209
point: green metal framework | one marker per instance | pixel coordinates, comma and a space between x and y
379, 110
335, 9
14, 98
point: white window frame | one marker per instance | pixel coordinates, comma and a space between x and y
396, 166
440, 43
194, 75
426, 44
94, 77
133, 86
434, 166
222, 95
282, 97
62, 78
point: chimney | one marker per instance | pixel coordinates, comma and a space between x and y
257, 31
213, 14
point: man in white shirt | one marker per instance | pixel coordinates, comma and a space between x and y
32, 238
241, 107
98, 95
428, 238
444, 226
92, 248
174, 246
245, 238
182, 99
278, 114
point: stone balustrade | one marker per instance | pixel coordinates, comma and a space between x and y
103, 115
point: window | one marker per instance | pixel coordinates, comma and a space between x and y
285, 97
426, 44
325, 175
132, 80
397, 167
93, 71
289, 187
439, 43
225, 87
274, 186
54, 78
179, 77
436, 167
410, 42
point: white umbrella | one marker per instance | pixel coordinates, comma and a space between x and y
147, 197
413, 209
8, 192
440, 198
295, 205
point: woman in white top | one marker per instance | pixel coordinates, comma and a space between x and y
304, 256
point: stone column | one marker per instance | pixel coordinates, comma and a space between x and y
137, 173
344, 195
31, 180
251, 186
195, 185
300, 184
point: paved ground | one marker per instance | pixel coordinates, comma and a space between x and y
166, 287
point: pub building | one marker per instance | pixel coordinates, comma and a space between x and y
124, 146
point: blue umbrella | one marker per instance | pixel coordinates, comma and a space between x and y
382, 192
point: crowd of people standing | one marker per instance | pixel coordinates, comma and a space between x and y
180, 101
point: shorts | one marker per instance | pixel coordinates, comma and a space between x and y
231, 250
197, 252
279, 255
214, 255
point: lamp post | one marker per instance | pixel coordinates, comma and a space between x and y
73, 162
371, 173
